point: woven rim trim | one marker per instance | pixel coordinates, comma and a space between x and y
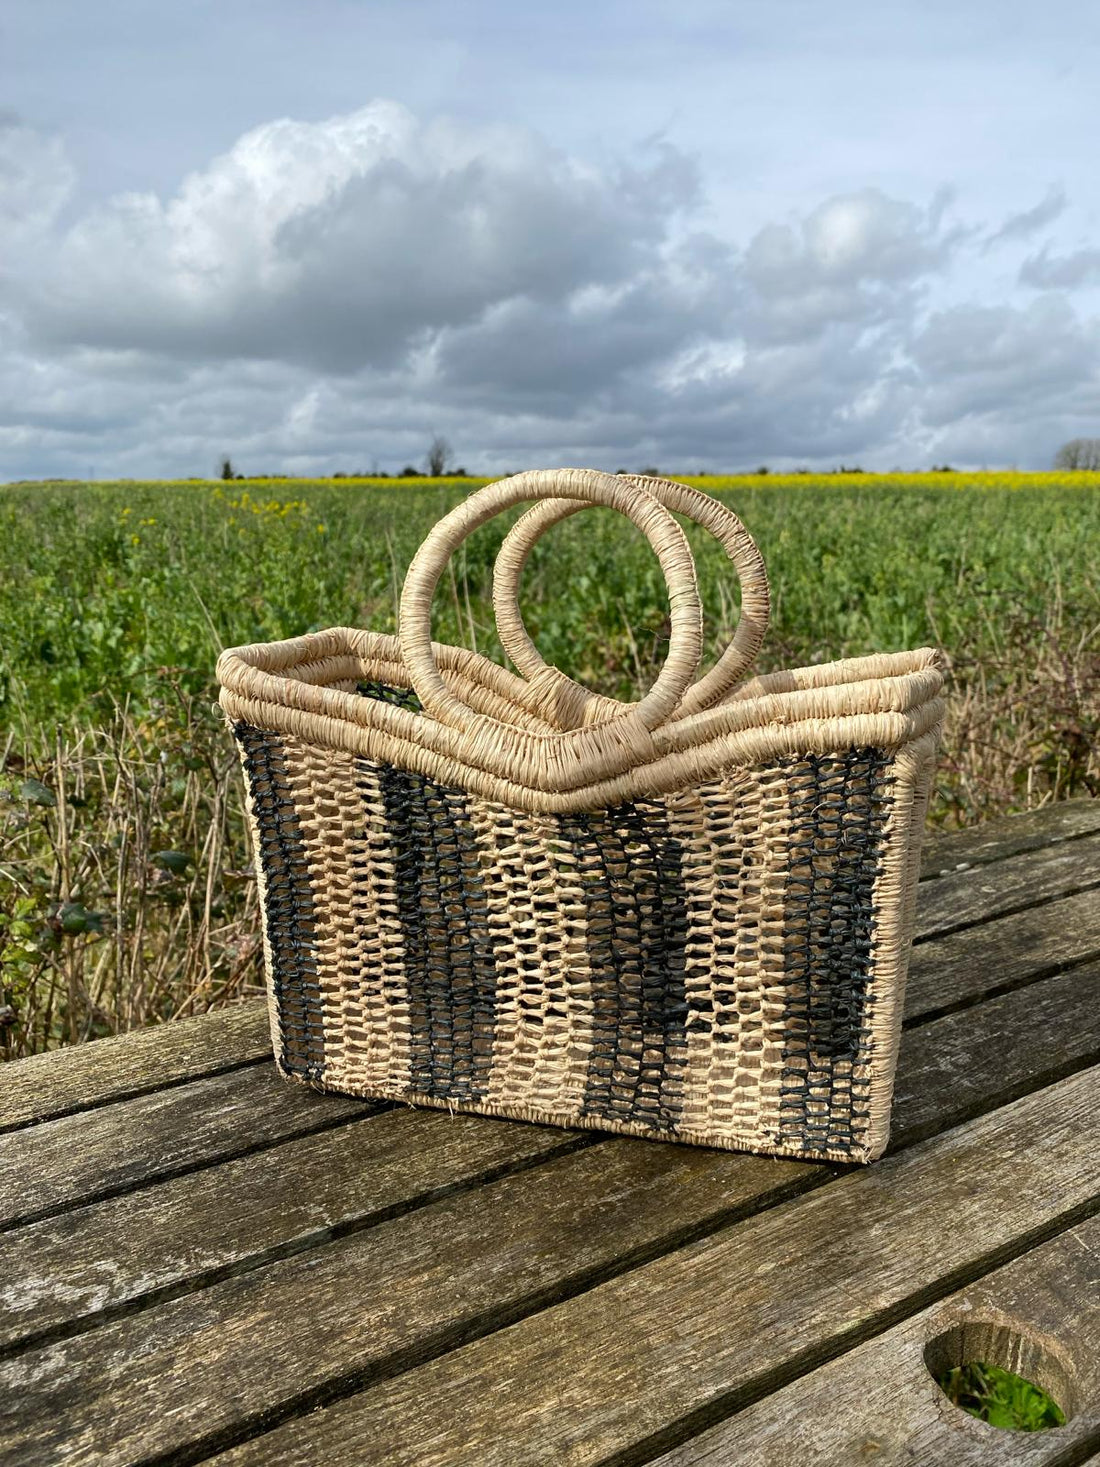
891, 700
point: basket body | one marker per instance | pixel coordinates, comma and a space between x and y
710, 947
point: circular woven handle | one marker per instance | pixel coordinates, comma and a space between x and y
682, 499
553, 689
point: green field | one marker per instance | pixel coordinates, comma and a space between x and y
115, 599
105, 585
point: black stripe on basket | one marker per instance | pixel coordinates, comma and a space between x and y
444, 916
838, 807
383, 693
288, 903
637, 926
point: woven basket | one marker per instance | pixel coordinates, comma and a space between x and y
686, 918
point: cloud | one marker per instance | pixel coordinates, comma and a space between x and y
36, 179
1030, 221
855, 259
328, 295
1061, 272
340, 244
1007, 384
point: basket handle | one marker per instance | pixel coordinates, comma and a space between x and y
712, 515
557, 696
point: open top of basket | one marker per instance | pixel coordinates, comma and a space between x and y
541, 742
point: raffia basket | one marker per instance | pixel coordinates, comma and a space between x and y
687, 918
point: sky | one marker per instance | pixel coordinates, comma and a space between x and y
698, 236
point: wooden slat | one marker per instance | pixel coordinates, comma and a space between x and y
1003, 953
244, 1213
880, 1402
66, 1080
396, 1294
97, 1152
648, 1359
966, 897
372, 1303
994, 840
227, 1217
970, 1061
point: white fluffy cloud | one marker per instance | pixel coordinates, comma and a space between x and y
330, 294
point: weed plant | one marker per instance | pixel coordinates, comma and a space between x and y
127, 893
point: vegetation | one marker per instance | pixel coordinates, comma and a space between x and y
1001, 1398
126, 888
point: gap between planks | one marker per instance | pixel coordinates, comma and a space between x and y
649, 1360
584, 1380
1038, 1316
188, 1232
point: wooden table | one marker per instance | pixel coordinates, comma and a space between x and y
203, 1262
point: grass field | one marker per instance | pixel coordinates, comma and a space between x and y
125, 887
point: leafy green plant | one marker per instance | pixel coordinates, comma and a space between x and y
1001, 1398
126, 886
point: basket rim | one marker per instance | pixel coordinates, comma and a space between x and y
305, 686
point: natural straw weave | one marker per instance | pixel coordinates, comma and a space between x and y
687, 918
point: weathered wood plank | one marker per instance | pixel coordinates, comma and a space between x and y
406, 1289
994, 840
965, 965
93, 1153
650, 1358
61, 1271
62, 1081
880, 1402
222, 1219
965, 1062
966, 897
872, 1242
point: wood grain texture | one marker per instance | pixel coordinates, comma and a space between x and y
963, 966
671, 1336
1038, 1316
367, 1303
965, 1062
223, 1218
966, 897
996, 839
62, 1270
128, 1144
65, 1080
648, 1359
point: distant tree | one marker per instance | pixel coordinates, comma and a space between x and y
1078, 453
649, 473
408, 472
439, 456
459, 473
227, 470
763, 469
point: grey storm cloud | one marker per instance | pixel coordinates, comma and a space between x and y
342, 244
327, 293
